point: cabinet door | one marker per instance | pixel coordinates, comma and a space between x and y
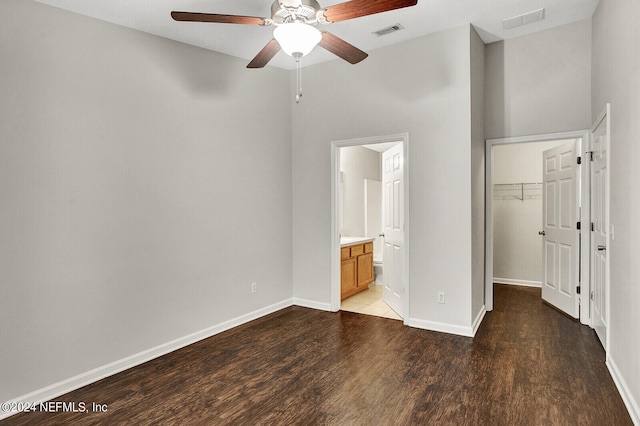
365, 269
348, 275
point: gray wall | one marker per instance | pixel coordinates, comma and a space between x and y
423, 89
143, 186
539, 83
616, 79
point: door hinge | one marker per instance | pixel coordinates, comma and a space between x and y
592, 298
578, 225
579, 160
593, 227
578, 290
590, 155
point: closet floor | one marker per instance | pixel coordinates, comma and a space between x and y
369, 302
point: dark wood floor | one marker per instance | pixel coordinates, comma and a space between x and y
527, 365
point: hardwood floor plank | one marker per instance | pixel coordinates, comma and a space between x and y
527, 365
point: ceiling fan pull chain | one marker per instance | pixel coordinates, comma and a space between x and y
298, 79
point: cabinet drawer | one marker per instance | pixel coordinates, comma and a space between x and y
368, 247
345, 252
357, 250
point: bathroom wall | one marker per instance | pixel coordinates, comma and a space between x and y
356, 165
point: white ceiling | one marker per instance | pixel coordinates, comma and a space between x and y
245, 41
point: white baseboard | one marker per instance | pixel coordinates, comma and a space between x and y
478, 320
440, 327
312, 304
523, 283
625, 393
55, 390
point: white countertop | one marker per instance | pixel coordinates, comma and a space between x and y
349, 241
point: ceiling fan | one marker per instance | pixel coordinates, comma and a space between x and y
295, 19
296, 33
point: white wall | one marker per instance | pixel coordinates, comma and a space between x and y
616, 79
539, 83
356, 164
421, 87
517, 249
143, 187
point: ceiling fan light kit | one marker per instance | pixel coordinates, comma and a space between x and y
296, 33
297, 37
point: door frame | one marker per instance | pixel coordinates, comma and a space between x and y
584, 135
605, 115
335, 203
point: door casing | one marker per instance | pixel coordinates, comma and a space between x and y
601, 226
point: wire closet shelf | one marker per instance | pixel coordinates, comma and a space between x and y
517, 191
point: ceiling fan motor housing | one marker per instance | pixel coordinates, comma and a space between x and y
283, 11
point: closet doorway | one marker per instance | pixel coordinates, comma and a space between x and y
534, 195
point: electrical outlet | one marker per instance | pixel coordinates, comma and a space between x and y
254, 287
441, 297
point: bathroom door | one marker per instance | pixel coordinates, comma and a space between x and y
393, 219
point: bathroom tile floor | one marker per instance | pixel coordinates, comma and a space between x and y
369, 302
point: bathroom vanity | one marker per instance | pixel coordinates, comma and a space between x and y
356, 265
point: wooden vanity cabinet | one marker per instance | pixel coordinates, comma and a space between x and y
356, 268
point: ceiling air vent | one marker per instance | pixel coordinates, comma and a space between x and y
389, 30
524, 19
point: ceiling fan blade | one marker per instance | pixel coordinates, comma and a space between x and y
341, 48
264, 56
221, 19
357, 8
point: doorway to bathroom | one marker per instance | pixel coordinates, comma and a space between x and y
369, 198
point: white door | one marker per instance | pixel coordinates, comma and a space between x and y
600, 225
393, 225
560, 235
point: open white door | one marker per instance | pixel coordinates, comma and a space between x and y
560, 235
600, 225
393, 212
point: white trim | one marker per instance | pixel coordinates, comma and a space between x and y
523, 283
585, 233
478, 320
575, 134
335, 231
65, 386
606, 115
489, 144
312, 304
441, 327
625, 393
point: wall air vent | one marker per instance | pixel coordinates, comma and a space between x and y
524, 19
388, 30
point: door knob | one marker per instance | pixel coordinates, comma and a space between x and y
541, 233
602, 248
381, 235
